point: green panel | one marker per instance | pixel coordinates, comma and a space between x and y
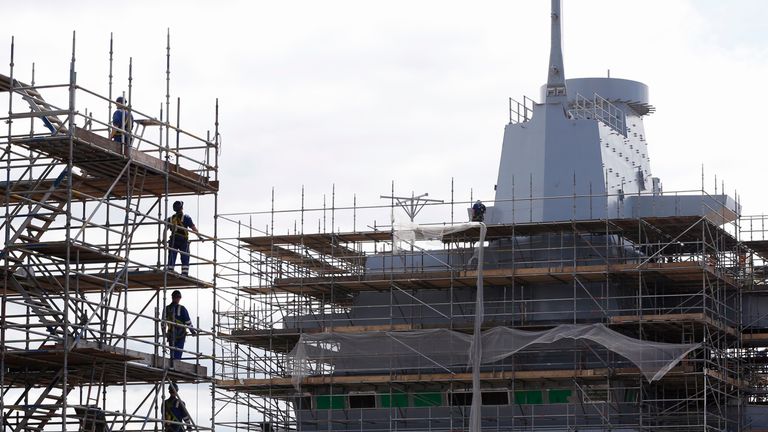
630, 395
559, 396
529, 397
325, 402
394, 400
535, 397
427, 399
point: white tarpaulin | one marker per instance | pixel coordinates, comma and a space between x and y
444, 349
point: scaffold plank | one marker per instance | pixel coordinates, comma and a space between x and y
135, 280
104, 158
657, 230
283, 340
79, 253
284, 385
701, 318
88, 188
755, 339
680, 273
325, 244
139, 367
296, 258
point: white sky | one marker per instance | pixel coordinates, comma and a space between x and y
361, 93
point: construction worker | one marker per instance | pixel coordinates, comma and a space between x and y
175, 325
122, 121
174, 410
478, 211
180, 225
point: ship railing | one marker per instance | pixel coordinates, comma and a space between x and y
520, 112
599, 108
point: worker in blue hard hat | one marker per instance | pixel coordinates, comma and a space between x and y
180, 224
176, 321
122, 122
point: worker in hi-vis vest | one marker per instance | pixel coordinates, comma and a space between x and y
180, 224
175, 325
174, 410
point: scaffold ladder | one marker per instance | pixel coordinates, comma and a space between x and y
35, 231
39, 413
36, 103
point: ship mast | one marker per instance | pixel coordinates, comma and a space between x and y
556, 76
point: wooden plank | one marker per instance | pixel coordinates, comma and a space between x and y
80, 253
325, 244
104, 158
371, 328
138, 280
119, 365
674, 318
297, 259
255, 384
666, 228
322, 287
755, 339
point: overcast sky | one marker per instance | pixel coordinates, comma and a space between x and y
362, 93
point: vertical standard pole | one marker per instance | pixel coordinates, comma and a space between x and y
7, 154
32, 120
162, 207
178, 132
109, 102
109, 129
452, 200
68, 234
127, 227
215, 284
302, 207
475, 417
129, 133
217, 143
166, 185
168, 89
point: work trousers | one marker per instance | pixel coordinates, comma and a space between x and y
176, 343
182, 245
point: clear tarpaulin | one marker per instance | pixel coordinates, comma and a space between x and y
443, 349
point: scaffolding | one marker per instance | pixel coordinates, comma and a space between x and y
85, 280
678, 279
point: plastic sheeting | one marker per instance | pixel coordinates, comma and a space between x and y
410, 233
445, 349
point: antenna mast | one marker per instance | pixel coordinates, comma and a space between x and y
556, 76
